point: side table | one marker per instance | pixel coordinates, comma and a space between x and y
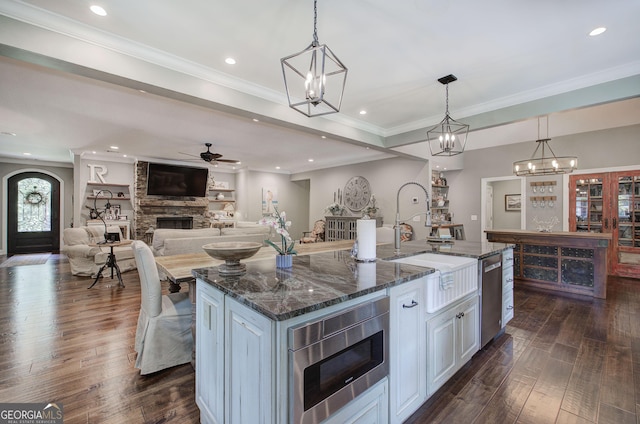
111, 261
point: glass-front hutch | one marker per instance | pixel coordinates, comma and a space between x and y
610, 203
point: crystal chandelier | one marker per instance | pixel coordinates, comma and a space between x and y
545, 165
449, 137
314, 78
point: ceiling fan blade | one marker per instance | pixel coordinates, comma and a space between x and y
189, 154
227, 160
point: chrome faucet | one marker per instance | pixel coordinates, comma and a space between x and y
427, 222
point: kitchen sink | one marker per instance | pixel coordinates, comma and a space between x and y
457, 276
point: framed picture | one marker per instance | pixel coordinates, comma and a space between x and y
512, 202
269, 200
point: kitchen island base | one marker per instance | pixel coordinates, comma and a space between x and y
566, 262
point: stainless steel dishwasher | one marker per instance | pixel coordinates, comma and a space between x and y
490, 278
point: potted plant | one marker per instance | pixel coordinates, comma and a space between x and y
278, 221
372, 209
334, 209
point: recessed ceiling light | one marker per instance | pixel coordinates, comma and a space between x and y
277, 167
238, 163
324, 136
12, 134
256, 120
230, 61
94, 152
124, 156
98, 10
310, 159
114, 147
597, 31
363, 112
142, 91
27, 154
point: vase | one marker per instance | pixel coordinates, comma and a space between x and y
284, 261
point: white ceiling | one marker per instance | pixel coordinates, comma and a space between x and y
514, 61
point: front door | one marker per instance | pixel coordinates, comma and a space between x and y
33, 223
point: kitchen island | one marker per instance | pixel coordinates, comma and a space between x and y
570, 262
244, 370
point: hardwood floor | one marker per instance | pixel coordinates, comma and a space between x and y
561, 360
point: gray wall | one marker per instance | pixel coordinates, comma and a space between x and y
595, 150
66, 195
385, 176
502, 218
293, 198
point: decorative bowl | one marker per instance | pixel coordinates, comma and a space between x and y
231, 252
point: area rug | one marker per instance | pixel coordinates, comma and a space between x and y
20, 260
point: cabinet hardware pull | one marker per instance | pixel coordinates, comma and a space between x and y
460, 315
509, 307
413, 305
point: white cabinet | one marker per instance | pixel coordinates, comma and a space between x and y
233, 360
248, 365
210, 354
453, 337
371, 407
407, 349
507, 286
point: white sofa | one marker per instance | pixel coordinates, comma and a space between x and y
167, 242
86, 260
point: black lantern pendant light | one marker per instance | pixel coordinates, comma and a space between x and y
314, 78
449, 137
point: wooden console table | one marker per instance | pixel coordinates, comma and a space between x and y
344, 227
571, 262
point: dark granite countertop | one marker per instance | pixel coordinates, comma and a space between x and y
469, 249
323, 279
315, 282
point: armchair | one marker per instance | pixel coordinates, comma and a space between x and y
316, 234
85, 259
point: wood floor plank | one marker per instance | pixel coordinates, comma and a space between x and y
506, 404
583, 391
543, 404
617, 379
612, 415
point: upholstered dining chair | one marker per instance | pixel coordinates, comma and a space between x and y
163, 336
316, 234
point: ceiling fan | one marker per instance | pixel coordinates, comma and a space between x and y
211, 157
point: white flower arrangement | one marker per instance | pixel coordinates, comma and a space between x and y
278, 221
334, 208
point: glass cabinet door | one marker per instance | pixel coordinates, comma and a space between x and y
588, 204
626, 223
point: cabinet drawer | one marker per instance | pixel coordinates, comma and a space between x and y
507, 278
507, 307
507, 258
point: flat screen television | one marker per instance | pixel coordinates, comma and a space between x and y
178, 181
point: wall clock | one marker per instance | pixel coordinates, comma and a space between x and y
357, 193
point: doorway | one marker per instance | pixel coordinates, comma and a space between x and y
493, 214
33, 213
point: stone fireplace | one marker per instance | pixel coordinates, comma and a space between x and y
171, 211
175, 222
